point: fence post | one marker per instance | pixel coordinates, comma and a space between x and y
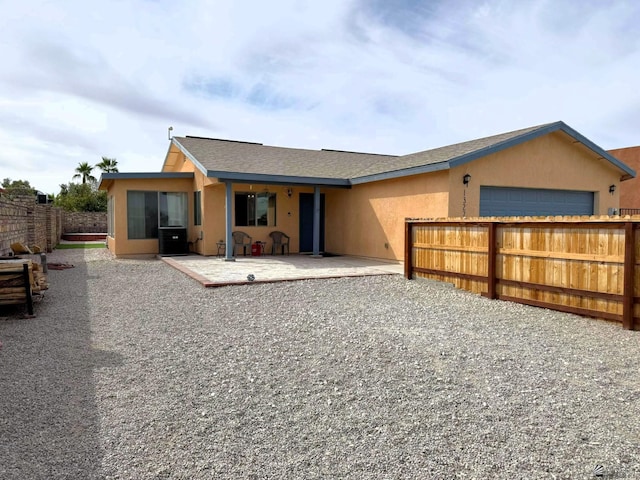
629, 276
491, 265
408, 243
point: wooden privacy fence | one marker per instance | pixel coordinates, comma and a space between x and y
582, 265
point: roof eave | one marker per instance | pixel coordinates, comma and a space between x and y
511, 142
405, 172
261, 178
107, 178
188, 154
544, 130
166, 156
628, 172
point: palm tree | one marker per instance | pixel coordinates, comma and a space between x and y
83, 170
108, 165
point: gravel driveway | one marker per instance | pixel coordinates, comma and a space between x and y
131, 370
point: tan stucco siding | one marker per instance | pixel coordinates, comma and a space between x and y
201, 243
553, 161
368, 219
176, 161
214, 216
120, 245
287, 214
629, 189
212, 220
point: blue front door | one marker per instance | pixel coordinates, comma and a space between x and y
306, 222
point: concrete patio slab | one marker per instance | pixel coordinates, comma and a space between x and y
216, 272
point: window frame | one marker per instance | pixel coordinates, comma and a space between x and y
149, 217
149, 228
249, 212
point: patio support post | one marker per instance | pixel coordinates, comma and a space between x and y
228, 249
316, 221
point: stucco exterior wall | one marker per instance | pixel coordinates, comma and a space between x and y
119, 244
287, 215
368, 219
553, 161
629, 189
198, 232
203, 238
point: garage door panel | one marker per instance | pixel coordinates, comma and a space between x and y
507, 201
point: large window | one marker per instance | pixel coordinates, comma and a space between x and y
173, 209
255, 209
146, 211
142, 215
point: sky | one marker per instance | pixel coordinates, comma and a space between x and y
80, 79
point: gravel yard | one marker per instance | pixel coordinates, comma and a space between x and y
131, 370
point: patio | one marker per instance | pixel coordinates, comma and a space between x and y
216, 272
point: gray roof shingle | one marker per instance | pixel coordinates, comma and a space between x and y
241, 160
254, 158
445, 154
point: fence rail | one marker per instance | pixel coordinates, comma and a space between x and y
629, 211
582, 265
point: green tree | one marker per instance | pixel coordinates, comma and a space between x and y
81, 197
108, 165
17, 187
83, 171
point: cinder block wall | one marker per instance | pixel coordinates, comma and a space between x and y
14, 224
41, 214
25, 221
84, 222
54, 229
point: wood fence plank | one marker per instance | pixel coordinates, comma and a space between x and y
629, 276
408, 250
563, 255
578, 264
491, 260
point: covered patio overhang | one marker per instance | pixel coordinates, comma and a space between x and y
229, 178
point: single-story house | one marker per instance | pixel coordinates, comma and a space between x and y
629, 190
351, 203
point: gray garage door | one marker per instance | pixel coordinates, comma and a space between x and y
504, 201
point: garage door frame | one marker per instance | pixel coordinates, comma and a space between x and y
518, 201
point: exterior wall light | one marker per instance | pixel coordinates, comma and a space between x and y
289, 192
466, 179
612, 189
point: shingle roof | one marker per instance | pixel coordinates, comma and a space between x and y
254, 158
442, 155
239, 161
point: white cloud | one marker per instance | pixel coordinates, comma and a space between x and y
85, 79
